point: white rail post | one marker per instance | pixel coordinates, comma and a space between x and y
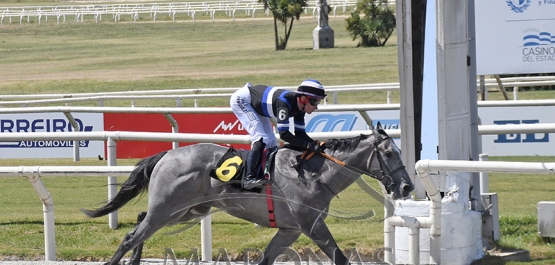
389, 232
175, 128
48, 213
206, 238
75, 125
112, 181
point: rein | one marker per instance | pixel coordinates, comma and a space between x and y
384, 178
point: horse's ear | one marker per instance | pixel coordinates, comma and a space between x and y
380, 129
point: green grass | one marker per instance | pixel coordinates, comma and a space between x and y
518, 195
88, 57
81, 238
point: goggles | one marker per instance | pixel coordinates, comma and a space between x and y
313, 101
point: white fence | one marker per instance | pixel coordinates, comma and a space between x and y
175, 94
33, 175
134, 11
207, 93
423, 168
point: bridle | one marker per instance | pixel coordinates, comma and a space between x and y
385, 175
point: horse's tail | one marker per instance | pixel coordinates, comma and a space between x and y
136, 184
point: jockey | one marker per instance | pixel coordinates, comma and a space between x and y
255, 105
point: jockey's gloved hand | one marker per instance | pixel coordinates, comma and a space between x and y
315, 146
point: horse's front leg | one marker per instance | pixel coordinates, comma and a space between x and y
321, 235
283, 239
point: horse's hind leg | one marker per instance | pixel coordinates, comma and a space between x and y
194, 212
138, 251
283, 239
138, 235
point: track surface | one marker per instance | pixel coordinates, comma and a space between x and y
143, 262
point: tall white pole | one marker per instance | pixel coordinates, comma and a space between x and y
112, 181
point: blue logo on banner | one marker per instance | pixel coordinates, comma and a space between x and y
516, 138
330, 122
41, 125
520, 5
538, 38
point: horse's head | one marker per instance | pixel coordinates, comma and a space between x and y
375, 155
385, 164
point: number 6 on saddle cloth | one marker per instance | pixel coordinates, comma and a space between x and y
231, 169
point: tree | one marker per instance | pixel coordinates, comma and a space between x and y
374, 27
284, 11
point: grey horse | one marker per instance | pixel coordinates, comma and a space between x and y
180, 189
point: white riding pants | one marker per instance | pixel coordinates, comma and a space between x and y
258, 127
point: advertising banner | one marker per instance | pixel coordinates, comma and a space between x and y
188, 123
225, 124
351, 121
49, 122
494, 145
515, 36
531, 144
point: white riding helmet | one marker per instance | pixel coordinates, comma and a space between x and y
312, 88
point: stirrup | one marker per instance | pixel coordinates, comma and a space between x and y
255, 183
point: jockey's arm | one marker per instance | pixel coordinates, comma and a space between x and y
300, 138
294, 139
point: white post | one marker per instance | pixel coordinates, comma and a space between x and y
48, 213
175, 128
75, 125
206, 238
112, 181
76, 152
389, 241
389, 232
414, 241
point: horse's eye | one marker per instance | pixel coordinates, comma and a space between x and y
388, 154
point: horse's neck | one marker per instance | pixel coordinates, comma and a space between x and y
344, 177
356, 158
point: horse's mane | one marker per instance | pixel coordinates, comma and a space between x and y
346, 145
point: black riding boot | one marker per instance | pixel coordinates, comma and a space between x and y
253, 162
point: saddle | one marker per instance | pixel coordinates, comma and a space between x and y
231, 167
